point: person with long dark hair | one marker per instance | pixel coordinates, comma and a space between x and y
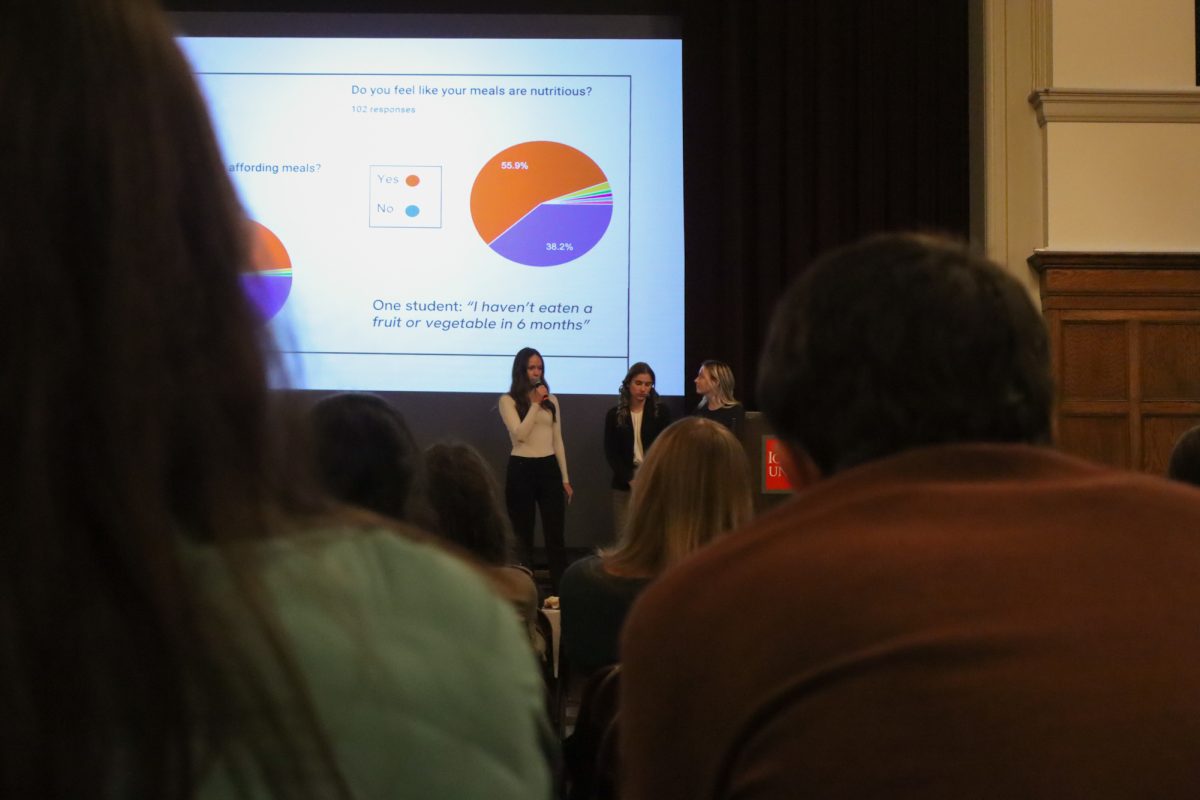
184, 614
537, 467
630, 428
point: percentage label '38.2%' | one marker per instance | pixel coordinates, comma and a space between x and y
541, 203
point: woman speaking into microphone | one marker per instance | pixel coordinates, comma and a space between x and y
537, 467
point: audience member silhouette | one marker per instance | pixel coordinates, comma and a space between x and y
949, 608
367, 457
184, 616
466, 500
1185, 458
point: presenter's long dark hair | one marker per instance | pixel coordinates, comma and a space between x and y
521, 386
135, 423
624, 396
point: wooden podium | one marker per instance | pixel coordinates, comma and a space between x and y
1125, 343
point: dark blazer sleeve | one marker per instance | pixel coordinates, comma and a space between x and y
614, 451
653, 426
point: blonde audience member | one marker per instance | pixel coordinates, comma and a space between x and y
693, 486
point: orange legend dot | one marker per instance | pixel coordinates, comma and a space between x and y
412, 180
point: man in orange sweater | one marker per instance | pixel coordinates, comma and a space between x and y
950, 608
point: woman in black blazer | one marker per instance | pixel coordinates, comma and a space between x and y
629, 430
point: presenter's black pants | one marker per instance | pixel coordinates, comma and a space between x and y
537, 482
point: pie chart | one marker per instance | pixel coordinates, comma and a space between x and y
541, 204
269, 280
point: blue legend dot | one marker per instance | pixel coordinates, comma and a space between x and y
412, 211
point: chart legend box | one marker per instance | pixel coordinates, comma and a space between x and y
406, 196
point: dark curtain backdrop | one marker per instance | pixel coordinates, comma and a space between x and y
807, 124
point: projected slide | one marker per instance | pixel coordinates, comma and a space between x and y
527, 206
425, 208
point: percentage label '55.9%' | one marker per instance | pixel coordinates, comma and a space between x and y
559, 246
514, 165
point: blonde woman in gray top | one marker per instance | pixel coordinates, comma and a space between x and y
537, 467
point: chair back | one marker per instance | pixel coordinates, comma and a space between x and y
590, 751
546, 654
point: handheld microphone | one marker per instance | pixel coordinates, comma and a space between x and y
545, 402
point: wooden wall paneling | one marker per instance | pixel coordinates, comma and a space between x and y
1125, 345
1159, 434
1101, 438
1170, 357
1095, 361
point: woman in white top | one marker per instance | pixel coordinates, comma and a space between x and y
537, 468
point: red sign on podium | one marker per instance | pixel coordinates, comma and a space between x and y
774, 480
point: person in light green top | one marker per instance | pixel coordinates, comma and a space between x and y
422, 679
182, 614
